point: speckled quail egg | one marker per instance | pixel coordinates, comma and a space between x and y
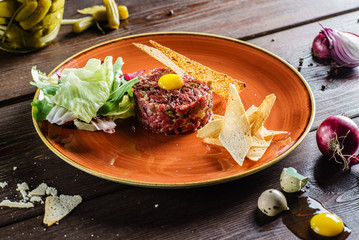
291, 181
272, 202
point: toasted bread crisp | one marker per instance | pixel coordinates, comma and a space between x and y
159, 56
220, 81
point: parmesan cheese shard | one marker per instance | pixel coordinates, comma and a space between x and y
159, 56
219, 81
39, 191
57, 207
8, 203
51, 191
236, 132
22, 188
3, 184
36, 199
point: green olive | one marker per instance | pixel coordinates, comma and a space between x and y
83, 24
26, 10
7, 8
40, 12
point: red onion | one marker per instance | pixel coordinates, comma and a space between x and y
343, 47
338, 138
320, 47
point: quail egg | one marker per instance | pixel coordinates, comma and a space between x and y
272, 202
291, 181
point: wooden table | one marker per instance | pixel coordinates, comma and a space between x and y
226, 211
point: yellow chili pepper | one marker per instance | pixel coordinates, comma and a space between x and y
7, 8
83, 24
26, 10
40, 12
101, 15
112, 14
122, 10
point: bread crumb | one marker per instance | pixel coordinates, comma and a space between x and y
14, 168
3, 184
57, 207
8, 203
39, 191
51, 191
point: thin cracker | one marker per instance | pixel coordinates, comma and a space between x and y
219, 81
262, 113
159, 56
213, 141
211, 129
235, 135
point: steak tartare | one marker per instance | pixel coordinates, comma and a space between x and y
176, 111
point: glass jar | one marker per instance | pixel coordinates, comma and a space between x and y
28, 25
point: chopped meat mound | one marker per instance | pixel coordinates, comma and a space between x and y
176, 111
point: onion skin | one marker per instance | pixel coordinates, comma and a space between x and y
320, 47
338, 137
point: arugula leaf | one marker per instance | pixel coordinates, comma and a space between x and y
112, 104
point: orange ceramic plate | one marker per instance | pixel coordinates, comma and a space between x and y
135, 156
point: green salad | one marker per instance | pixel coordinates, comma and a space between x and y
91, 97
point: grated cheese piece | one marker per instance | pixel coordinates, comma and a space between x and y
22, 188
39, 191
8, 203
3, 184
51, 191
34, 199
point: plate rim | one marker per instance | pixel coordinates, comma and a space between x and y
182, 184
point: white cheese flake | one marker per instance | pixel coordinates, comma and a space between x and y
39, 191
3, 184
8, 203
51, 191
34, 199
22, 188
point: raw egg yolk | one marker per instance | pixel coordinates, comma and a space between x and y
327, 224
170, 82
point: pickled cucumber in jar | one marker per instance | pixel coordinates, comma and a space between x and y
28, 25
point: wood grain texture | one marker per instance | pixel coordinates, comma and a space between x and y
335, 90
237, 19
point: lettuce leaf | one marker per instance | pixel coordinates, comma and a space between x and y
41, 109
84, 90
48, 85
98, 89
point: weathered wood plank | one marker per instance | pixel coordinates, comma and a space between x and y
25, 158
335, 90
238, 19
215, 212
